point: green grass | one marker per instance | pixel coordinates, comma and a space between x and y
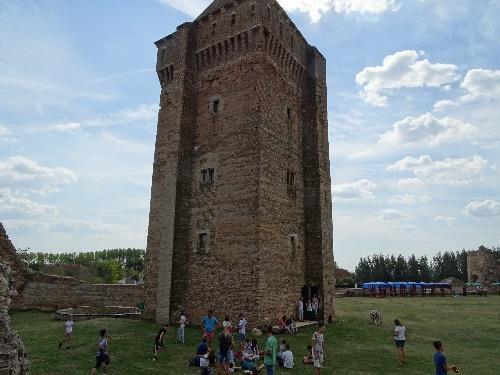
469, 327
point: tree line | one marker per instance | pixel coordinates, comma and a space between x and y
106, 266
398, 268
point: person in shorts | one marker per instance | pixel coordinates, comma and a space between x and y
159, 341
209, 325
68, 333
400, 340
318, 344
102, 357
225, 346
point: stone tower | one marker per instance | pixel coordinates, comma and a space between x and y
240, 217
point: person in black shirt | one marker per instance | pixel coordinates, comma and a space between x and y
159, 341
225, 345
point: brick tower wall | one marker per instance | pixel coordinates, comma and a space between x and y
252, 60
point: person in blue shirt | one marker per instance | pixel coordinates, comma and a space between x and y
208, 325
440, 361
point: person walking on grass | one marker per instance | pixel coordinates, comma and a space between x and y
399, 334
180, 331
440, 360
159, 341
68, 333
208, 326
318, 345
270, 351
102, 354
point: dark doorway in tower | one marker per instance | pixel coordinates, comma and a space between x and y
310, 296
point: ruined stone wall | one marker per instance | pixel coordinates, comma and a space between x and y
47, 292
13, 358
266, 239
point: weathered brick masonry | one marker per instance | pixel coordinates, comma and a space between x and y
13, 358
240, 217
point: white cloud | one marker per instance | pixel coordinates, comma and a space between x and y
6, 135
427, 130
449, 220
28, 174
404, 69
404, 228
70, 127
391, 214
14, 202
68, 225
482, 82
361, 189
486, 208
478, 83
409, 199
451, 172
146, 113
314, 8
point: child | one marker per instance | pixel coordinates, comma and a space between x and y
68, 332
280, 353
202, 349
399, 340
242, 324
287, 357
159, 341
227, 324
308, 359
290, 325
318, 343
102, 357
440, 361
180, 331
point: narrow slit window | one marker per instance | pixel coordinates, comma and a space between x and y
215, 106
202, 243
289, 114
233, 19
214, 28
252, 10
293, 245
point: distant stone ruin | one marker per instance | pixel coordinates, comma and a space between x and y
13, 358
483, 266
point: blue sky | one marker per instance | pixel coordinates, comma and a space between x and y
414, 94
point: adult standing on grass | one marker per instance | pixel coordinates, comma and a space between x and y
400, 339
208, 326
318, 347
270, 351
180, 331
440, 360
102, 354
68, 333
225, 346
300, 309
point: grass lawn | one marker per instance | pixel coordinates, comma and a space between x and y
469, 328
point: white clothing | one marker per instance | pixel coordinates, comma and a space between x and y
204, 361
182, 321
68, 327
399, 333
242, 326
287, 358
300, 305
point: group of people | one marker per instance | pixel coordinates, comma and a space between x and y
308, 310
224, 354
440, 362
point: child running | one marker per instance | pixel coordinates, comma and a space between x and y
159, 341
68, 333
102, 356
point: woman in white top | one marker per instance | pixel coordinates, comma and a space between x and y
68, 332
400, 339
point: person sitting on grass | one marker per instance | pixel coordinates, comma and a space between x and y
290, 325
280, 352
159, 341
440, 361
400, 339
308, 359
282, 324
202, 348
206, 360
102, 357
287, 357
